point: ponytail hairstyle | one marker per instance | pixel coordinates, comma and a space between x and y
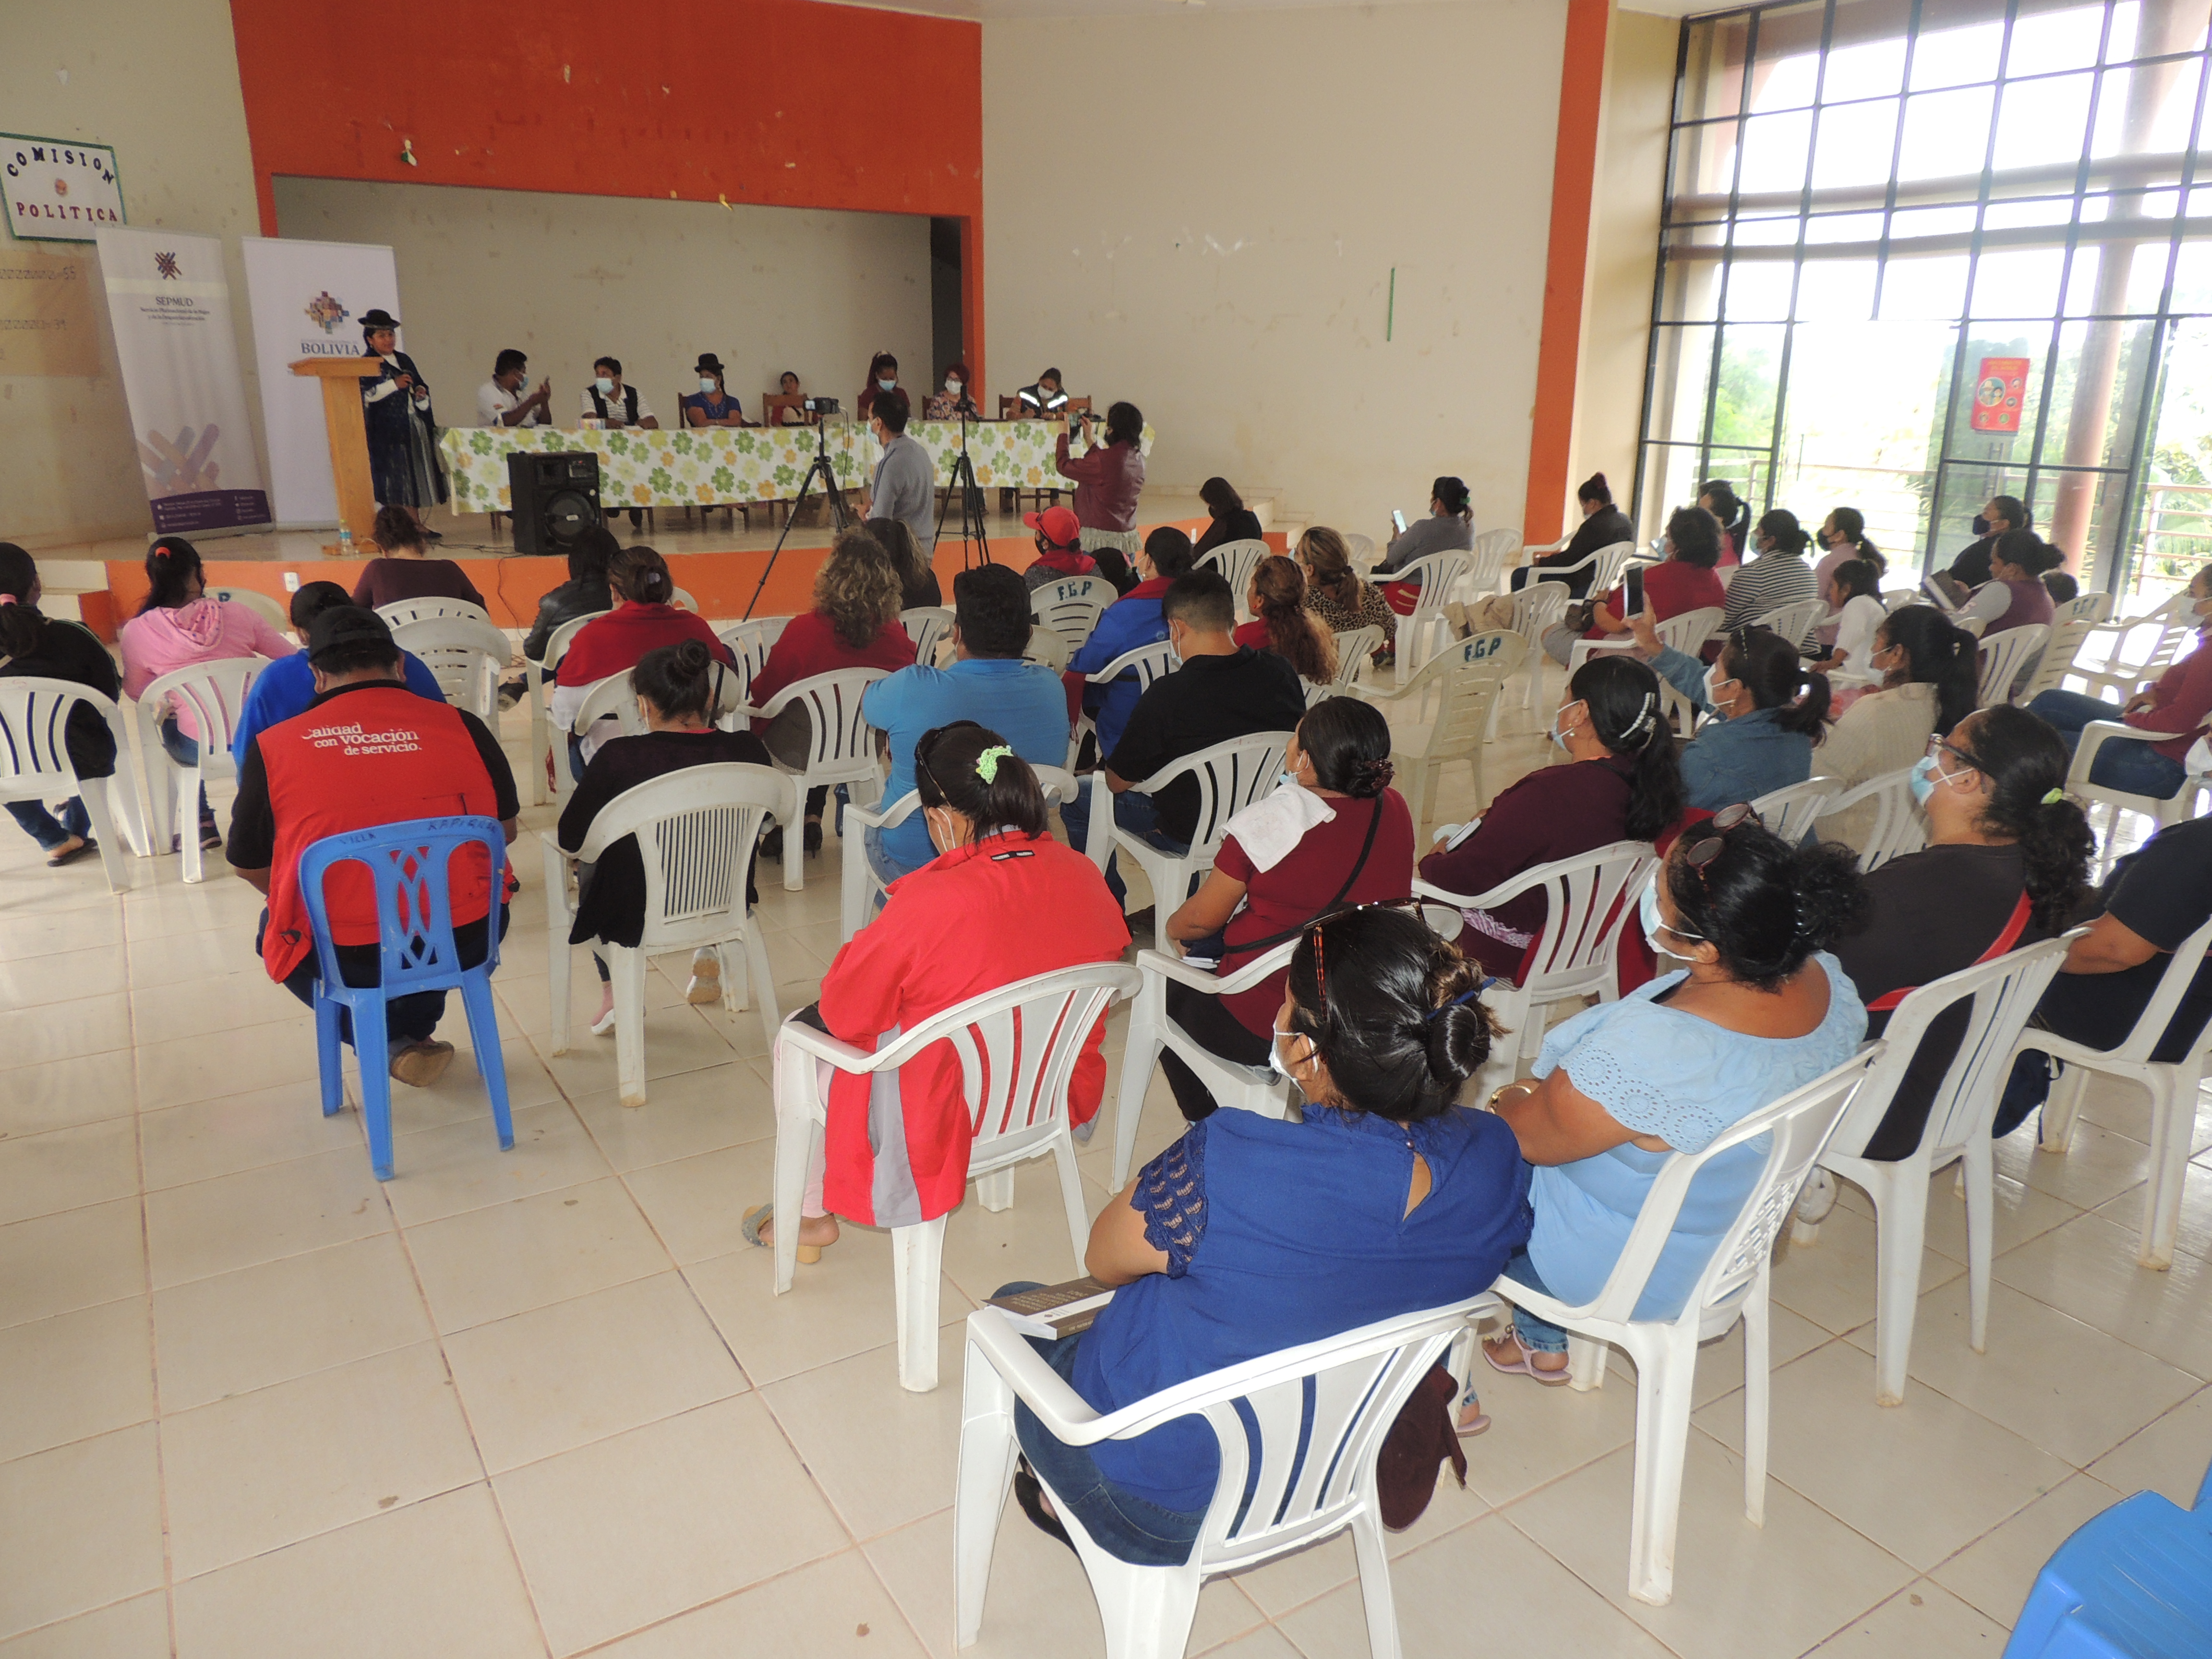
172, 565
640, 575
2026, 765
1692, 538
1937, 653
22, 629
1594, 488
1763, 660
1622, 696
1732, 514
1855, 579
1852, 523
1325, 550
1450, 493
677, 679
2025, 550
1764, 905
395, 526
1348, 742
1789, 536
1124, 423
1279, 589
1391, 1010
974, 772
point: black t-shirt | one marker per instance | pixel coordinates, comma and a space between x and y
1208, 699
612, 905
573, 598
1929, 914
69, 651
2163, 892
1242, 526
252, 844
1972, 566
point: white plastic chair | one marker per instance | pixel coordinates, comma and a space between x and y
857, 883
1896, 599
1486, 575
750, 643
260, 603
2003, 994
1429, 629
1470, 680
1071, 606
681, 600
1318, 1414
1230, 777
2089, 607
926, 624
2095, 735
1588, 900
1795, 623
1685, 632
1046, 646
2105, 666
2002, 656
611, 698
695, 831
1789, 812
1148, 663
1248, 1088
2067, 641
1354, 647
215, 692
35, 765
401, 612
842, 748
1359, 550
1899, 827
2172, 1085
1236, 561
1016, 1090
541, 725
1537, 608
465, 656
1604, 566
1734, 1285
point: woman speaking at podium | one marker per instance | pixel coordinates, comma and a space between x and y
403, 438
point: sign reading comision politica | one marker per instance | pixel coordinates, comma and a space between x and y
57, 190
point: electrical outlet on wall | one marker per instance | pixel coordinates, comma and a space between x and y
291, 581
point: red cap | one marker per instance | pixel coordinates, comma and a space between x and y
1061, 526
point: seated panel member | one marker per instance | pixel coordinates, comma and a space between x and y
501, 400
614, 404
1046, 397
793, 414
397, 756
712, 404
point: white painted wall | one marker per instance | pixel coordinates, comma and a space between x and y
1216, 243
567, 278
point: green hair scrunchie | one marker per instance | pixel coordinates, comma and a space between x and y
987, 763
2052, 797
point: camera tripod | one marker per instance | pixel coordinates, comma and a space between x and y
839, 516
974, 530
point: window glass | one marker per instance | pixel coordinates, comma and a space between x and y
1946, 134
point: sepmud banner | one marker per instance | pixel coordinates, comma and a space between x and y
308, 298
170, 308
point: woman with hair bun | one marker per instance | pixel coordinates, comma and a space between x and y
1603, 525
1334, 833
645, 616
1449, 526
1251, 1235
1002, 901
50, 648
1778, 576
1762, 1009
1281, 623
675, 686
1335, 594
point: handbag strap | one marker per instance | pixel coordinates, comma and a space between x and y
1255, 945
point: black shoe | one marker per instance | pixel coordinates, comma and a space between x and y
1143, 922
812, 838
1028, 1492
771, 844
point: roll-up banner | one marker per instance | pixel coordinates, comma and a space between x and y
308, 298
171, 311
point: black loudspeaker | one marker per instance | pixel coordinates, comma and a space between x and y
556, 498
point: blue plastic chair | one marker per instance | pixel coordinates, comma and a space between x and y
2134, 1583
408, 862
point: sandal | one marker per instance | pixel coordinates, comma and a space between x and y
1467, 1427
1525, 1365
758, 1217
71, 854
705, 985
1028, 1492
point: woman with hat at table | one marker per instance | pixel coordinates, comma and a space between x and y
711, 405
403, 434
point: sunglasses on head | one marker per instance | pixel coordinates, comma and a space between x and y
1700, 853
1320, 923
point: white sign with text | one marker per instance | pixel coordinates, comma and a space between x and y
57, 190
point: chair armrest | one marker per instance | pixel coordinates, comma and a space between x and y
820, 1044
884, 817
1511, 889
2094, 737
1002, 1347
1375, 693
1200, 979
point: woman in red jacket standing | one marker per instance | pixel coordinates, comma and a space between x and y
961, 926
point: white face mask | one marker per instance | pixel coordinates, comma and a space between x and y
952, 388
887, 385
1558, 736
1647, 912
706, 386
1714, 680
604, 385
1275, 1057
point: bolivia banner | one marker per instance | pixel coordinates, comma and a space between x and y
171, 310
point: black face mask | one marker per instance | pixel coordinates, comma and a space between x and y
1981, 525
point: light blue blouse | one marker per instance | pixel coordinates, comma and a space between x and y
1686, 1081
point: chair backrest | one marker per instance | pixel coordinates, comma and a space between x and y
1607, 564
2003, 654
260, 603
1229, 777
1470, 672
1046, 645
1795, 623
1492, 549
1071, 606
1236, 561
1354, 647
1687, 631
1588, 900
408, 865
465, 655
681, 599
558, 642
750, 643
2172, 985
1896, 599
215, 692
2004, 993
1898, 827
1797, 1127
1146, 662
34, 761
614, 697
2089, 607
836, 729
1789, 813
1538, 607
407, 610
1440, 575
926, 624
696, 830
1359, 550
2066, 642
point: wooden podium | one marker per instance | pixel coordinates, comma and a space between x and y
348, 435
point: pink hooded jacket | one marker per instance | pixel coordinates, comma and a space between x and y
206, 630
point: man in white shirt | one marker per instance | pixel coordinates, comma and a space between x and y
500, 401
613, 403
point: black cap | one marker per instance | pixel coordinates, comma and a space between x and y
709, 363
344, 625
380, 317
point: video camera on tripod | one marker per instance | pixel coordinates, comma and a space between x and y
822, 405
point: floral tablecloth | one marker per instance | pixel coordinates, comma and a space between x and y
690, 466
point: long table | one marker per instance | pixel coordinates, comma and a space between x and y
691, 466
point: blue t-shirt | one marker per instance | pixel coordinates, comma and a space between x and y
287, 687
1024, 702
1279, 1234
1123, 626
1686, 1081
699, 400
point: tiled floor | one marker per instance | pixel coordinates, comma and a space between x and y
252, 1403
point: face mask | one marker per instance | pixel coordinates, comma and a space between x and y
1923, 780
604, 385
887, 385
1981, 525
1275, 1058
706, 386
1714, 680
1558, 736
1647, 912
952, 388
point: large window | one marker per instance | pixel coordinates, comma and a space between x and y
1917, 254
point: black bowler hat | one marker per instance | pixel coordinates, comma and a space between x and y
709, 363
380, 317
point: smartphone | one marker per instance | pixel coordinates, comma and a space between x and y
1399, 519
1634, 582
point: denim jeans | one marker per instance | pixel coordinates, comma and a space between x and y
1132, 812
407, 1020
1541, 1334
185, 752
43, 827
885, 868
1127, 1527
2122, 763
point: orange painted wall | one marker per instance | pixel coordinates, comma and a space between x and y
762, 101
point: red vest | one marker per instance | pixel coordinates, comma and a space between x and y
366, 758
